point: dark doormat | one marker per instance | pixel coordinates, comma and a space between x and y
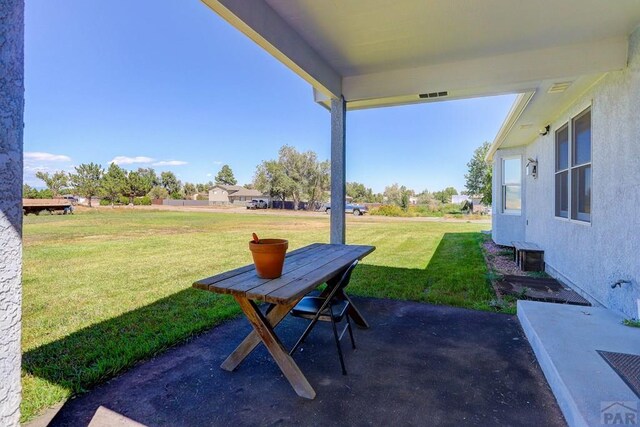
539, 289
627, 366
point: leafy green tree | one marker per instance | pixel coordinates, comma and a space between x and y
478, 179
361, 194
86, 180
487, 192
299, 175
404, 199
56, 182
189, 189
425, 198
294, 163
444, 196
398, 195
149, 179
158, 192
271, 179
225, 176
29, 192
317, 180
170, 183
135, 185
201, 188
114, 183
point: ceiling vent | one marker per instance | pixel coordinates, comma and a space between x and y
559, 87
433, 94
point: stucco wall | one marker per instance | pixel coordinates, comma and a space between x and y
11, 124
218, 195
591, 257
506, 227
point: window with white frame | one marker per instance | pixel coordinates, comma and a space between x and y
573, 168
511, 185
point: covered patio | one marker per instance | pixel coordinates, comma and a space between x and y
418, 364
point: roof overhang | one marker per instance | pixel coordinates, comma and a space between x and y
532, 111
380, 52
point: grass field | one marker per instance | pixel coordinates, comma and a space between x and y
105, 289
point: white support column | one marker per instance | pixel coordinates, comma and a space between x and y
338, 169
11, 125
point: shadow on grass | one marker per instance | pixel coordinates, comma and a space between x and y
454, 275
98, 352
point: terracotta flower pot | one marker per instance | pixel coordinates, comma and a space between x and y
268, 257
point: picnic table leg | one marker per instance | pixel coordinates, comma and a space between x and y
269, 338
275, 314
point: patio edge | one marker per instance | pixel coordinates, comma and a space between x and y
565, 401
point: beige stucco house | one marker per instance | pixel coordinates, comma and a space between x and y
233, 194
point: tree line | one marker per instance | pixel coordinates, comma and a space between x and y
294, 175
117, 185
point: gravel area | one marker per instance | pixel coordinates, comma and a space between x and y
500, 259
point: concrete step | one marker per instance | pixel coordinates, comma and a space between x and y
565, 339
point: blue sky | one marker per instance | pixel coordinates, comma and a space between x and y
171, 85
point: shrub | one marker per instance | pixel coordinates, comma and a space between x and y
452, 208
123, 200
388, 210
142, 201
105, 202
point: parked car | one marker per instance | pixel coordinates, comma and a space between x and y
257, 204
352, 208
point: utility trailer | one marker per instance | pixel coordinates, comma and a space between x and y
35, 206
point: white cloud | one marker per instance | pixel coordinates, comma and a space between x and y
37, 161
124, 160
37, 168
170, 163
217, 162
209, 174
38, 156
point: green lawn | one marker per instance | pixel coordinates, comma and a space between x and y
105, 289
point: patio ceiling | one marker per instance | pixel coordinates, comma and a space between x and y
384, 52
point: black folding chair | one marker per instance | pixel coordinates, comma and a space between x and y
332, 308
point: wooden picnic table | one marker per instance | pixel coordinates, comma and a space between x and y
304, 270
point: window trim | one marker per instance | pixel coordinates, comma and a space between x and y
558, 172
505, 211
569, 123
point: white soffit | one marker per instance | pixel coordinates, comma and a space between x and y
387, 52
532, 111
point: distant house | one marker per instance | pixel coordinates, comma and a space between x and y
245, 194
233, 194
220, 193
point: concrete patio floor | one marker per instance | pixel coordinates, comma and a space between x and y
418, 364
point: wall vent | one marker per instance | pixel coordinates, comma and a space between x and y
559, 87
433, 94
